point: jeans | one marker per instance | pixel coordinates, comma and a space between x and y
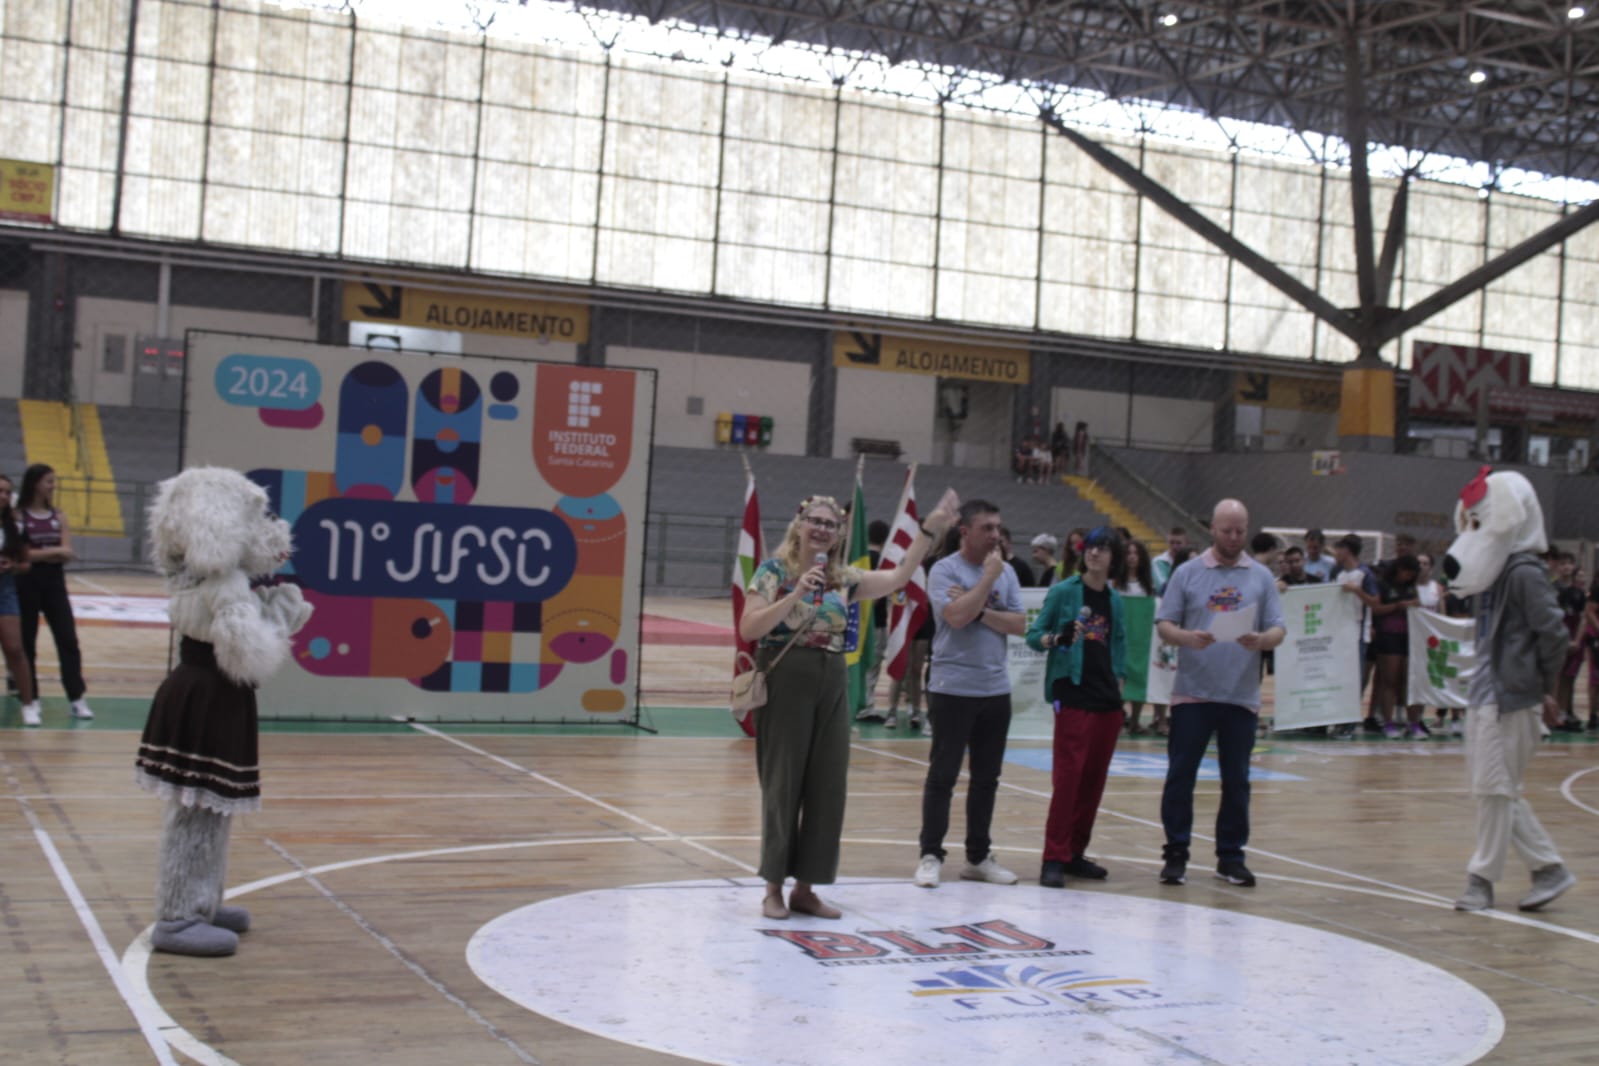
1192, 725
980, 723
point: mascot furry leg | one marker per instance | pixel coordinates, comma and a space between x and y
210, 533
1521, 650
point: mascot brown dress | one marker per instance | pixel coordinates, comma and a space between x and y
211, 532
1520, 652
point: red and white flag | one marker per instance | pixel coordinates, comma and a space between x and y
909, 605
751, 551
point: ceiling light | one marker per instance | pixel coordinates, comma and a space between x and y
1576, 13
1477, 77
1171, 20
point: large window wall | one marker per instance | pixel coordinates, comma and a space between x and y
244, 124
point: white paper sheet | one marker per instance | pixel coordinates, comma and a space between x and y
1230, 625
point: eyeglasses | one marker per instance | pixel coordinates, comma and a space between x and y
822, 523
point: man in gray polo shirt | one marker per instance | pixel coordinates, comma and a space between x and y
1221, 611
976, 604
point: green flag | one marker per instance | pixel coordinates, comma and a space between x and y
1139, 614
858, 657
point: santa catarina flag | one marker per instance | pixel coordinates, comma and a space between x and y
751, 550
858, 637
908, 609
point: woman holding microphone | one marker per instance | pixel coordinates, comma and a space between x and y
798, 606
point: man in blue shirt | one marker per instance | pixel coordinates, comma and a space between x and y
976, 603
1217, 690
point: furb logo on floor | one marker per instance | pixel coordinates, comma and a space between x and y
982, 991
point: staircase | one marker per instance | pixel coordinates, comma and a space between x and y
1094, 494
85, 488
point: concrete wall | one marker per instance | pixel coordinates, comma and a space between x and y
722, 383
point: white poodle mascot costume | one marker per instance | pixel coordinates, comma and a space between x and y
210, 533
1520, 650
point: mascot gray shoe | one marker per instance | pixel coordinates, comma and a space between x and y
211, 533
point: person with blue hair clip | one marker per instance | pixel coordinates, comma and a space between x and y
1084, 630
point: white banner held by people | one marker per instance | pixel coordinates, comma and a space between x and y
1442, 656
1318, 662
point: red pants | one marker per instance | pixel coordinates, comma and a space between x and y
1084, 743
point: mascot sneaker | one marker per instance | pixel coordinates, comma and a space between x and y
233, 919
1547, 885
1479, 894
193, 937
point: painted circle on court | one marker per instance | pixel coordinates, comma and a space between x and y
970, 972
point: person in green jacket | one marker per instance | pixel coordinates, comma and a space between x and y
1084, 629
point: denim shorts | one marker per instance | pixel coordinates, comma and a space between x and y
8, 596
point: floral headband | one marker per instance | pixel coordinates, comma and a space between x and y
815, 501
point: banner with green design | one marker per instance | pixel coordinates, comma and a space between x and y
1318, 662
1442, 655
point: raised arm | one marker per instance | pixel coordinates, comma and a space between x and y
879, 583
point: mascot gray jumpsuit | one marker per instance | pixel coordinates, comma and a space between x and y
210, 532
1520, 651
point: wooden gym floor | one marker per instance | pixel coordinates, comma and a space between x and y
383, 849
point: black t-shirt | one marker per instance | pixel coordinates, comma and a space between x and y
1024, 573
1099, 690
1572, 600
1306, 578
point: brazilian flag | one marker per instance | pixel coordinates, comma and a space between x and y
858, 637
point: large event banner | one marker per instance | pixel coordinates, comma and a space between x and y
1139, 612
469, 530
1443, 653
1318, 662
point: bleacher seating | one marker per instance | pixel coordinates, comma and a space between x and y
709, 485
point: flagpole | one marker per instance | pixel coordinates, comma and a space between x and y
860, 468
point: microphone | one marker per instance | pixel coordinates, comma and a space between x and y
816, 597
1069, 634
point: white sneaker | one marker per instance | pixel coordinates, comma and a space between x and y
30, 713
80, 709
988, 870
927, 871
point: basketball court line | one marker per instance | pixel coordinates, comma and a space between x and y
1565, 790
138, 1005
1419, 895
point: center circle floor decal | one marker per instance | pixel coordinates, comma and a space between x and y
967, 972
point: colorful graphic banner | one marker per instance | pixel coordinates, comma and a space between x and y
467, 529
1318, 662
1443, 653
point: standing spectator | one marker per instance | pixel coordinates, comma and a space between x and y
1217, 690
43, 588
1135, 579
914, 683
1265, 549
1044, 547
1356, 575
1176, 541
1024, 573
1572, 599
1084, 631
1396, 594
876, 537
1317, 564
1060, 449
1590, 637
1080, 449
1431, 599
976, 604
802, 745
1071, 553
14, 561
1294, 572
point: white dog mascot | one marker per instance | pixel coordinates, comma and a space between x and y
211, 532
1520, 650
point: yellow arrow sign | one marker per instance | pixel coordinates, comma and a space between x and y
402, 305
910, 355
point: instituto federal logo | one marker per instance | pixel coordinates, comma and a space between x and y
1313, 619
1440, 671
583, 403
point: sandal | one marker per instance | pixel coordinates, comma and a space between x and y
813, 906
772, 907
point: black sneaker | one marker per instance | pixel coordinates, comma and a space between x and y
1371, 725
1087, 868
1234, 872
1053, 875
1175, 872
